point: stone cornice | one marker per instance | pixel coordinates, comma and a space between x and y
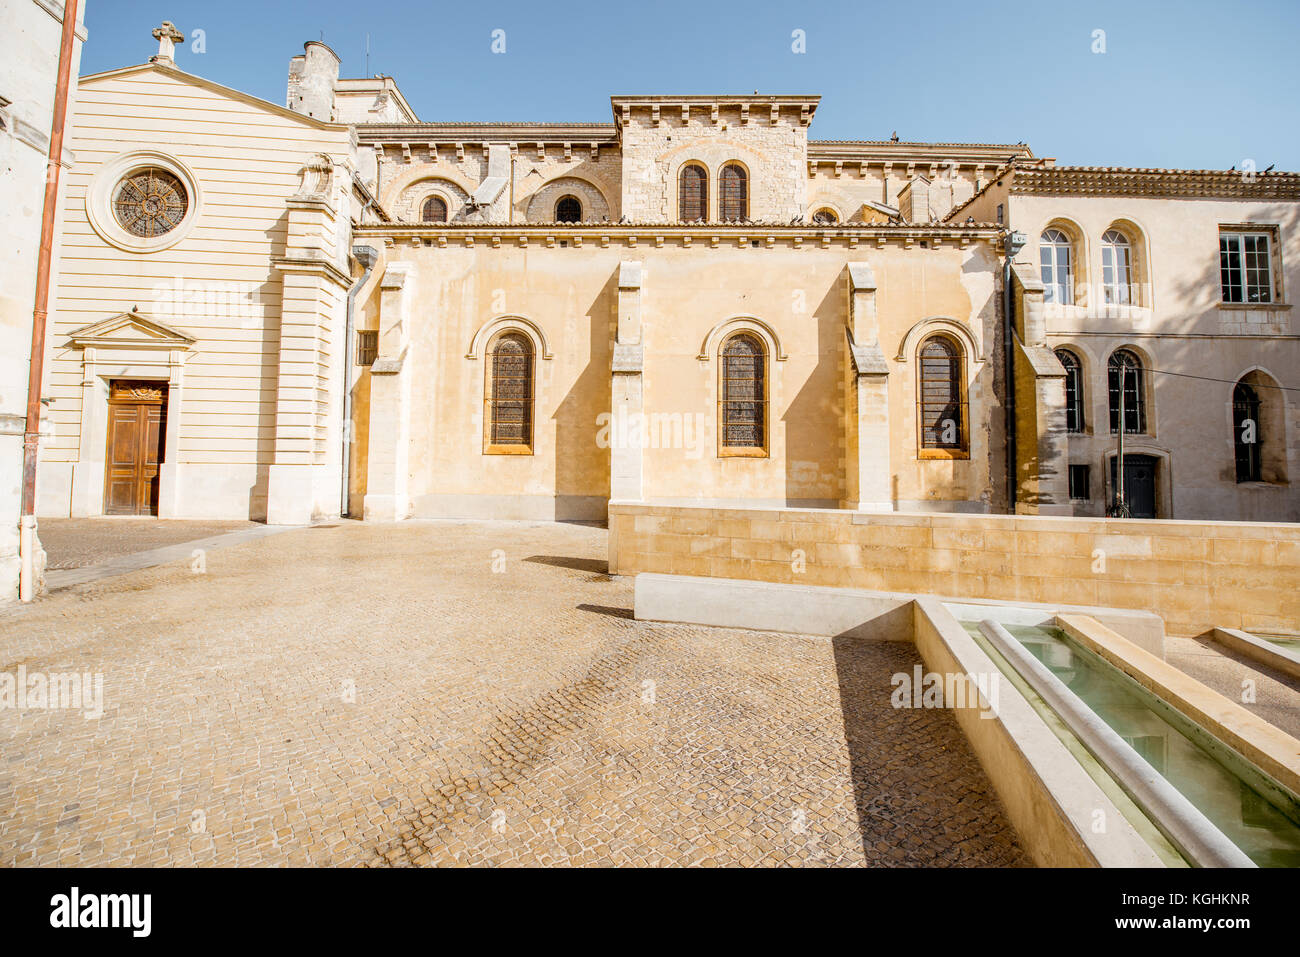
922, 156
602, 235
755, 108
312, 264
478, 133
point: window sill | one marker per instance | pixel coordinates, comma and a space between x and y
954, 454
742, 453
508, 450
1255, 306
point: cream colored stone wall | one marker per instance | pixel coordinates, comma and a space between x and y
365, 317
454, 292
29, 59
541, 172
693, 292
775, 156
219, 284
1179, 326
1195, 575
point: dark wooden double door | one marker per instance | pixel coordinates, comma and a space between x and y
137, 429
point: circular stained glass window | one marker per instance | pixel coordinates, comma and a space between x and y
150, 202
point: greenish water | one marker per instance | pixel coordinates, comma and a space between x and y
1251, 810
1291, 644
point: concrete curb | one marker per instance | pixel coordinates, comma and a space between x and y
122, 565
1259, 650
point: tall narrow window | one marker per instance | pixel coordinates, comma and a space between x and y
1116, 268
1126, 367
1055, 257
1245, 267
1073, 390
1079, 482
367, 346
1246, 437
434, 210
693, 194
743, 401
511, 403
568, 210
733, 194
940, 396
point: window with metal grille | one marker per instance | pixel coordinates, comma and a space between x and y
367, 346
1073, 390
1080, 477
1245, 432
1125, 367
434, 210
510, 410
733, 194
692, 194
1117, 268
150, 202
743, 404
1055, 253
941, 400
568, 210
1245, 267
825, 217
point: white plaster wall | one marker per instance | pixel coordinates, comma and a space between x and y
29, 59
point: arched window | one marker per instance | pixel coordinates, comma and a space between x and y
1055, 256
825, 217
434, 210
742, 404
692, 194
1246, 437
1125, 366
733, 193
1073, 390
510, 412
568, 210
1116, 268
940, 397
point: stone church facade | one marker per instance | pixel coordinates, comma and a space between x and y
693, 303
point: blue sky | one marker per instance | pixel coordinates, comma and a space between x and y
1193, 84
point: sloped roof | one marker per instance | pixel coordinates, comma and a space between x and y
1137, 181
176, 73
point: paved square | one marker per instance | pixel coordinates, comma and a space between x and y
463, 693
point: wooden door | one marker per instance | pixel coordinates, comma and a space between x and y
1139, 484
137, 426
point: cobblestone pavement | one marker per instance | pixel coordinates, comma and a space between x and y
463, 693
1277, 696
78, 542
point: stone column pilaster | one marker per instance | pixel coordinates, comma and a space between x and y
627, 398
866, 400
301, 485
1042, 445
387, 498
